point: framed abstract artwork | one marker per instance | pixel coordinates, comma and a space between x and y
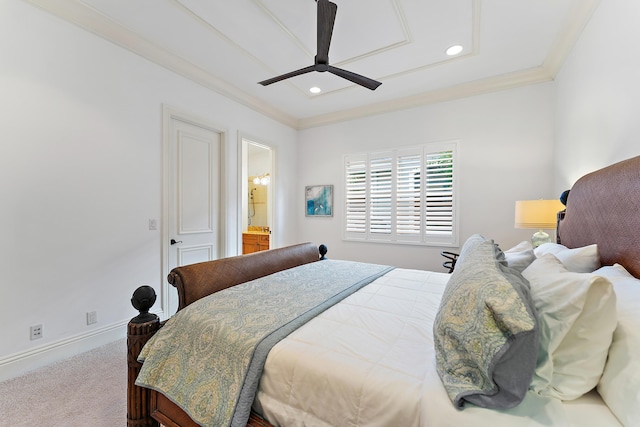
318, 200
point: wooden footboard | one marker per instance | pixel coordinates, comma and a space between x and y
148, 408
170, 415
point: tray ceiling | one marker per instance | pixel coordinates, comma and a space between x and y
229, 46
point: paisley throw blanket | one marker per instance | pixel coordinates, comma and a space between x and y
208, 358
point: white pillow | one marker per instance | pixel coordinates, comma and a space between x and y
579, 260
520, 256
620, 382
577, 317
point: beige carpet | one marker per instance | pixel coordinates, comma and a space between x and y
89, 389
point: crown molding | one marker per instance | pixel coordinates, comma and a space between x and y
84, 16
96, 23
477, 87
581, 12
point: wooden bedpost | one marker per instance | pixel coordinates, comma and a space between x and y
139, 330
322, 250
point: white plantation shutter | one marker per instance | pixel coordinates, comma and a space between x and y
408, 204
439, 194
355, 194
402, 196
380, 194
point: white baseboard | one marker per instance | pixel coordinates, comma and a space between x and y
20, 363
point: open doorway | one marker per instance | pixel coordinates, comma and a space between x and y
257, 196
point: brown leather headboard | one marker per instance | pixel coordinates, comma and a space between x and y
603, 207
196, 281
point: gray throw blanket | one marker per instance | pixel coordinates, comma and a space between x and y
208, 358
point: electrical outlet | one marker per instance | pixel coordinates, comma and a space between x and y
92, 317
36, 332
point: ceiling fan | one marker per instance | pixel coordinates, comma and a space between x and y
326, 18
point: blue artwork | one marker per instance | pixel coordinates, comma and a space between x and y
319, 200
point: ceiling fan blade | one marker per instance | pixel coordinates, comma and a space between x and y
304, 70
326, 18
356, 78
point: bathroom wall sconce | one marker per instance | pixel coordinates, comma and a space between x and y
262, 179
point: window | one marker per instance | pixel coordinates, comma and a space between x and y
404, 195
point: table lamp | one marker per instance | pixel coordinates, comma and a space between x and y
540, 214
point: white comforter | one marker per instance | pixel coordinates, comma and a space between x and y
369, 361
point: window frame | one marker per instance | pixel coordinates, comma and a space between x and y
380, 196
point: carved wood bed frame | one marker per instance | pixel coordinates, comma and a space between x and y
603, 208
145, 407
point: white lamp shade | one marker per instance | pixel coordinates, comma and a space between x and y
540, 214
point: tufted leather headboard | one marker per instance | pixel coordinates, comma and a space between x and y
196, 281
603, 207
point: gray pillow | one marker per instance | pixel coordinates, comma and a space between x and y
486, 331
520, 256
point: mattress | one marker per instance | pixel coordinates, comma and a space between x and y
371, 359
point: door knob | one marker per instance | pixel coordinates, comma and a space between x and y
173, 241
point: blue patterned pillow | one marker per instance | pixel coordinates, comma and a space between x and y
485, 332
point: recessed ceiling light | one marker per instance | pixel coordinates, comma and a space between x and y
315, 89
454, 50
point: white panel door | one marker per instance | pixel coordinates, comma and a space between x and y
194, 197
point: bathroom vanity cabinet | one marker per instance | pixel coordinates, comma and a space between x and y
254, 242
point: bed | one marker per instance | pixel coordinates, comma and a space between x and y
512, 337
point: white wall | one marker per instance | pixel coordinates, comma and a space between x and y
80, 176
598, 95
505, 154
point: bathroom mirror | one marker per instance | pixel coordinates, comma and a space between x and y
257, 196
